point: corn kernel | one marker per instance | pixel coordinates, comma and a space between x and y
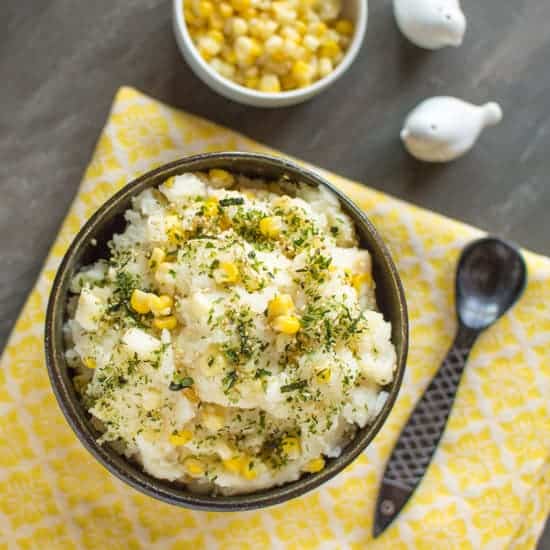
269, 28
287, 324
269, 83
169, 183
302, 71
274, 44
248, 472
157, 257
314, 466
211, 208
252, 72
205, 9
330, 49
216, 35
233, 465
160, 305
324, 376
325, 66
271, 226
344, 26
194, 467
319, 28
237, 26
300, 27
221, 177
140, 301
225, 9
291, 446
359, 280
281, 304
311, 42
291, 34
242, 465
168, 323
252, 82
191, 18
228, 55
240, 5
288, 82
209, 47
89, 362
228, 273
283, 12
181, 438
216, 22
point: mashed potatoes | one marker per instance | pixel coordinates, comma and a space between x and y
231, 341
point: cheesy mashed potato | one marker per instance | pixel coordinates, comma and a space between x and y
232, 340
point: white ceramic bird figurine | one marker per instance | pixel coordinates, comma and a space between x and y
431, 24
442, 129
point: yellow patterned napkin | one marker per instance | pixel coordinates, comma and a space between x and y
489, 485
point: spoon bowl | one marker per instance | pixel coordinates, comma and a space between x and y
491, 276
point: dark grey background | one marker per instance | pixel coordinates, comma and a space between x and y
61, 62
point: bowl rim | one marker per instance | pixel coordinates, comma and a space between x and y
287, 97
133, 474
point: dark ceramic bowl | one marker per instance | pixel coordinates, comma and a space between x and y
108, 220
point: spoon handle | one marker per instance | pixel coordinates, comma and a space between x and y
418, 441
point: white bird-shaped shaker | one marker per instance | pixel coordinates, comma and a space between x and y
431, 24
442, 129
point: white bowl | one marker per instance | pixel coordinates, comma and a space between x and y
356, 10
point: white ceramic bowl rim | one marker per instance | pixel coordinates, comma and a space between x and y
349, 56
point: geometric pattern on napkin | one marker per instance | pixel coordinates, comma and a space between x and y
488, 486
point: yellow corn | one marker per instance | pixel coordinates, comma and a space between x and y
324, 376
89, 362
194, 467
287, 324
281, 304
157, 257
233, 465
359, 280
319, 28
140, 301
228, 273
221, 177
248, 471
269, 83
302, 71
271, 226
216, 35
205, 9
211, 208
242, 465
290, 446
160, 305
226, 10
314, 466
240, 5
330, 49
181, 438
240, 31
344, 26
174, 231
168, 323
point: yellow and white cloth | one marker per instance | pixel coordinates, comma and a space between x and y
489, 485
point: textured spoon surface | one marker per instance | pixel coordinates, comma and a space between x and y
491, 276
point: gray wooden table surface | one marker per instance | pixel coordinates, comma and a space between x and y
61, 61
